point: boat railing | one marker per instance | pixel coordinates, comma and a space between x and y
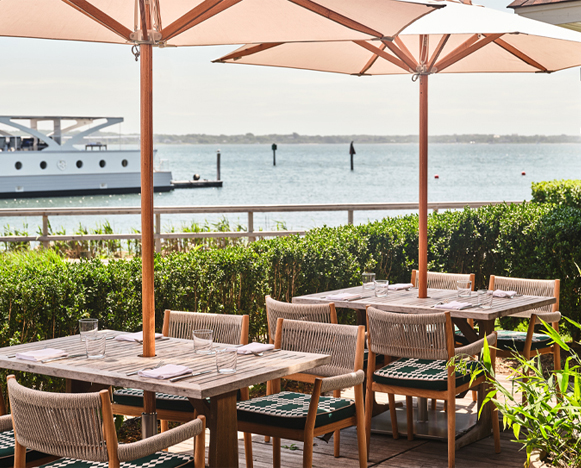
250, 233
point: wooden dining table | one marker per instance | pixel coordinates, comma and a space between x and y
407, 301
122, 357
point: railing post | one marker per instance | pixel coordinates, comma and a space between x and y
349, 216
251, 226
45, 244
158, 231
218, 165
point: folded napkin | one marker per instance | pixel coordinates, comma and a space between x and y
400, 286
343, 297
501, 293
256, 347
42, 354
165, 372
453, 305
134, 336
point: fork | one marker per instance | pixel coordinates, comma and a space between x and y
159, 364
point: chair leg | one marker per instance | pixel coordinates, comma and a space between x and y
276, 451
308, 452
557, 357
409, 404
360, 415
474, 395
245, 395
19, 454
200, 447
434, 403
337, 433
164, 425
393, 415
452, 431
268, 392
369, 399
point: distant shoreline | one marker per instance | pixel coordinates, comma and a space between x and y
295, 138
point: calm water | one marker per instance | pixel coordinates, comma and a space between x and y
320, 174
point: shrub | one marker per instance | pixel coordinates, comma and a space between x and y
559, 192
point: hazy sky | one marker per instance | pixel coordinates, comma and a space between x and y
192, 95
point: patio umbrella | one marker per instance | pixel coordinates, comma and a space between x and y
147, 23
461, 38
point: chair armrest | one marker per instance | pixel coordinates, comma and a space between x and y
338, 382
5, 422
476, 347
550, 317
142, 448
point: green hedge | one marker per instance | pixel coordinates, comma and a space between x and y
559, 192
43, 296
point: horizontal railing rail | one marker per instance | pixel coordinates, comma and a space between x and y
350, 208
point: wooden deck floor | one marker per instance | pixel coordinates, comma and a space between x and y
386, 452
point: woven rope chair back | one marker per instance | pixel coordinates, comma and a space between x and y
528, 287
338, 341
227, 328
438, 280
61, 424
421, 336
305, 312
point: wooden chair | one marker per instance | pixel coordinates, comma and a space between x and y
530, 343
438, 280
80, 428
228, 329
417, 348
302, 417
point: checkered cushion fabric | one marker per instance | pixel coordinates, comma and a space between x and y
290, 409
419, 373
157, 460
7, 450
134, 397
508, 340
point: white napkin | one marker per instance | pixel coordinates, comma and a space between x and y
453, 305
256, 347
165, 372
134, 336
501, 293
399, 286
42, 354
343, 297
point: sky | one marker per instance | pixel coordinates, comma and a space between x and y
193, 95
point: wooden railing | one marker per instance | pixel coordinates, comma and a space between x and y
350, 208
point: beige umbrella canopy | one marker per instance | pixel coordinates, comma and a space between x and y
197, 22
457, 39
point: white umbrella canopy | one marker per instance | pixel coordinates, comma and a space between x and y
149, 23
210, 22
460, 38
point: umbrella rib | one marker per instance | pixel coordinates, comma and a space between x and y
337, 17
371, 61
400, 53
100, 17
438, 51
238, 54
520, 55
381, 53
462, 51
204, 11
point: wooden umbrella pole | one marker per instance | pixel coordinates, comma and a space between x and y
147, 229
423, 211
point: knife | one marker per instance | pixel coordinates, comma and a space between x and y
187, 376
62, 357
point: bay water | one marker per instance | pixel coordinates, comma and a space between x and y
321, 174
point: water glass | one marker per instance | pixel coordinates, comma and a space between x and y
486, 301
368, 280
381, 288
87, 326
464, 288
226, 360
480, 296
203, 341
95, 344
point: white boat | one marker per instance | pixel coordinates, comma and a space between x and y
42, 164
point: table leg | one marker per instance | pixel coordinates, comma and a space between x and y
223, 431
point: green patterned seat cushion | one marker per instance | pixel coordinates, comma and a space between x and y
289, 409
509, 340
134, 397
419, 373
7, 450
157, 460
